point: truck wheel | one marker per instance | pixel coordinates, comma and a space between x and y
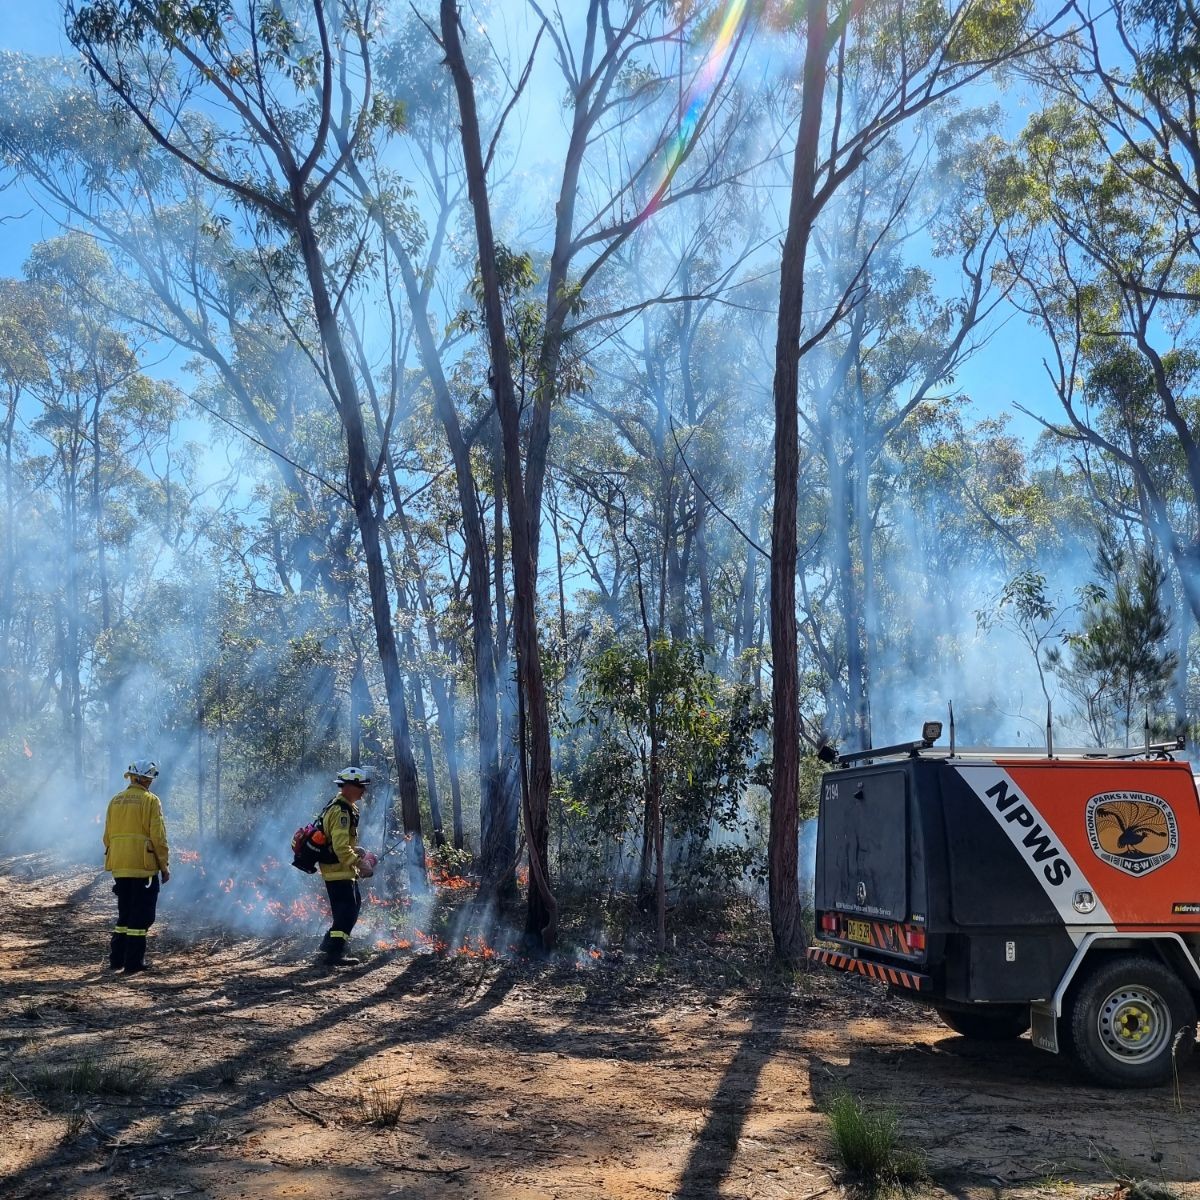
1125, 1019
988, 1023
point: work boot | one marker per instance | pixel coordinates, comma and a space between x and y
336, 955
135, 955
326, 946
116, 951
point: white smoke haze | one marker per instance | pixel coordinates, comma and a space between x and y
226, 628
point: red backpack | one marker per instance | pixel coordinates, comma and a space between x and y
311, 845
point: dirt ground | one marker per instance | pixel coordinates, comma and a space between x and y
509, 1079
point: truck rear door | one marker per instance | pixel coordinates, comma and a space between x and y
863, 844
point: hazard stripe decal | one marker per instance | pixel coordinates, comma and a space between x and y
1034, 838
860, 966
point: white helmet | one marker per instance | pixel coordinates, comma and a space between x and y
141, 768
353, 775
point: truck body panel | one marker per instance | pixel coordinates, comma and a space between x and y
1006, 864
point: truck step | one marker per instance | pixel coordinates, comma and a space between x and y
860, 966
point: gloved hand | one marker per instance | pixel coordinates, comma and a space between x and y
367, 863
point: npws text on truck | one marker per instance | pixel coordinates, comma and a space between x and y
1009, 889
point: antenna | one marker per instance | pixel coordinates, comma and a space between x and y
951, 707
1049, 730
1147, 731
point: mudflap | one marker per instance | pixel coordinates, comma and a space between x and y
1044, 1026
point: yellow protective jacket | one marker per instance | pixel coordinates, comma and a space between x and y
135, 836
341, 828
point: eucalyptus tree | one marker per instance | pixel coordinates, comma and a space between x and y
901, 345
866, 74
190, 283
91, 467
417, 236
248, 98
612, 65
24, 331
1100, 200
1118, 666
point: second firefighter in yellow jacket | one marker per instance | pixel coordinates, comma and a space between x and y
339, 820
136, 854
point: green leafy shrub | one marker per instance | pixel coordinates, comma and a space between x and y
658, 718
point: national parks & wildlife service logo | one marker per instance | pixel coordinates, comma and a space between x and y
1132, 831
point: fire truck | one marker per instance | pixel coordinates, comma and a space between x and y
1018, 890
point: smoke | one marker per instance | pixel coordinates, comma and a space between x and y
179, 574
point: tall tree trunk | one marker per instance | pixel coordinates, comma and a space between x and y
499, 821
487, 722
431, 787
1185, 623
200, 767
783, 850
746, 613
542, 915
359, 477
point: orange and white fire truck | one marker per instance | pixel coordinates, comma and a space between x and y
1010, 889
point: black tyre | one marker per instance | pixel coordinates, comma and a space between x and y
988, 1023
1131, 1020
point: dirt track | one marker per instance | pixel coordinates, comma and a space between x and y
511, 1079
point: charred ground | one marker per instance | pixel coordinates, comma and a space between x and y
241, 1069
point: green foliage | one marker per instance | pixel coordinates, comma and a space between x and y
1118, 666
662, 716
109, 22
448, 860
866, 1143
988, 30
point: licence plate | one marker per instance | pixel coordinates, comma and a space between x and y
859, 931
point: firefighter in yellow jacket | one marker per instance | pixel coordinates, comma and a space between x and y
136, 853
339, 820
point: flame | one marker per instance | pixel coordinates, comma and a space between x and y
441, 878
431, 942
28, 752
480, 950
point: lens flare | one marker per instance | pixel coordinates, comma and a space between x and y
699, 94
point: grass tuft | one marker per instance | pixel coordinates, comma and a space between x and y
228, 1070
865, 1141
382, 1101
91, 1076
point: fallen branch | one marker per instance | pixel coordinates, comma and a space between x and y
114, 1143
169, 1141
308, 1112
399, 1166
23, 1087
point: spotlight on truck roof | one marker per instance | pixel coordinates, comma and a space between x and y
931, 731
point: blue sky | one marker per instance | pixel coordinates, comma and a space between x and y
1007, 370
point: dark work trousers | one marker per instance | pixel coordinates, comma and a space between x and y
136, 901
344, 900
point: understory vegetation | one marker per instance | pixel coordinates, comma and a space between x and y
587, 426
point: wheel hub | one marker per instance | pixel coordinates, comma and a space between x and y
1134, 1024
